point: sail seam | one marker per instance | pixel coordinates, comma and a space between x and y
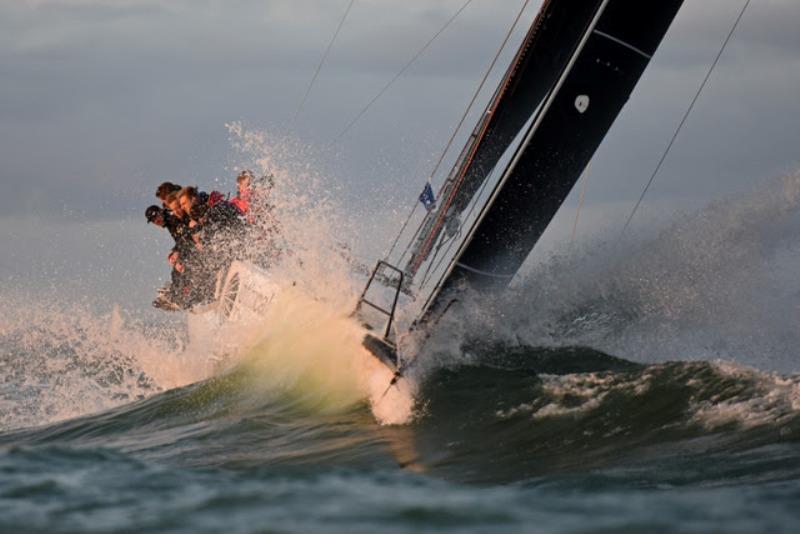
623, 43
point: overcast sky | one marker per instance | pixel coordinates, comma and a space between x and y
100, 100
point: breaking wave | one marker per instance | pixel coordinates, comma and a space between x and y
542, 412
62, 361
512, 423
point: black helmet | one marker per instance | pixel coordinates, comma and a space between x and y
152, 212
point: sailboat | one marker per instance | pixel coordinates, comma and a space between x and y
567, 83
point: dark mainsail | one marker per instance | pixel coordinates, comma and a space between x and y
572, 121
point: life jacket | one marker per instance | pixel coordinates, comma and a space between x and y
242, 201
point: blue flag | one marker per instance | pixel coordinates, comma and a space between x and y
427, 198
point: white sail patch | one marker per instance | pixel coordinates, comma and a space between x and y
582, 103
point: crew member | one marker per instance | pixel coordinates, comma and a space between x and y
163, 190
244, 184
217, 230
173, 295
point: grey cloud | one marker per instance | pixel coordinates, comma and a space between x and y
100, 100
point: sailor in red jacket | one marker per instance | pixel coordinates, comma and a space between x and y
244, 183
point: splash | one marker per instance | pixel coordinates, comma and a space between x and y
306, 338
60, 361
716, 284
307, 347
317, 238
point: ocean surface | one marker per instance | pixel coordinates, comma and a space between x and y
565, 440
651, 387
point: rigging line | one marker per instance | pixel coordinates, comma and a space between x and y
445, 240
430, 271
460, 124
400, 73
322, 61
411, 241
685, 116
400, 233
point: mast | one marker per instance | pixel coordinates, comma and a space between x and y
604, 66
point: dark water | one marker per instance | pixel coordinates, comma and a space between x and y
525, 440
